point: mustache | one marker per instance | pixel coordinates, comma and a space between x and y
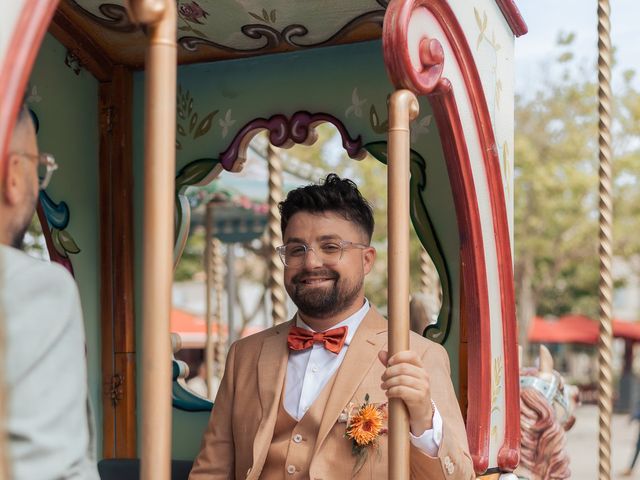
326, 273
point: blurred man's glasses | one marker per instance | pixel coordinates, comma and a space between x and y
46, 166
328, 252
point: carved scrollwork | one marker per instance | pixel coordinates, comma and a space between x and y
414, 60
114, 17
284, 132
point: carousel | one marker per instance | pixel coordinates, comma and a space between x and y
142, 101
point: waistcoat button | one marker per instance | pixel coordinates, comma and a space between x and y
297, 438
291, 469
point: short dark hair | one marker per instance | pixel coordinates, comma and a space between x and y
335, 194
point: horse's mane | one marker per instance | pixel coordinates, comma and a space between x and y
542, 438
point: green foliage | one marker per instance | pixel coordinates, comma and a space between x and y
556, 187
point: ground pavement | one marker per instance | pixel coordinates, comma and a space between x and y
582, 444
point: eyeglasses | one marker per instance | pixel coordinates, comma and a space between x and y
328, 252
46, 166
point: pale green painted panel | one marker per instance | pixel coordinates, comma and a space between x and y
67, 107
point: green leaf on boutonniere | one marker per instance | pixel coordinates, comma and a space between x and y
361, 454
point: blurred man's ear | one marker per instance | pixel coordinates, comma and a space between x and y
12, 181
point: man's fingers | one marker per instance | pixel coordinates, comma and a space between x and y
383, 356
405, 380
405, 357
406, 393
405, 369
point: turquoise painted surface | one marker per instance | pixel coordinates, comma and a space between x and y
347, 82
67, 106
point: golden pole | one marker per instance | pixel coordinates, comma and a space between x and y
208, 262
218, 285
605, 392
159, 172
276, 268
426, 275
403, 107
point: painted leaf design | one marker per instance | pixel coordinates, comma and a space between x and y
199, 33
478, 19
190, 109
193, 122
178, 145
484, 22
205, 125
374, 120
257, 17
185, 28
194, 172
55, 239
181, 130
479, 41
378, 150
361, 459
273, 16
373, 117
68, 243
265, 15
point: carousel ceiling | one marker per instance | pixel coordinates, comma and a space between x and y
221, 29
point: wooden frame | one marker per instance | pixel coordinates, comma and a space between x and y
116, 261
117, 318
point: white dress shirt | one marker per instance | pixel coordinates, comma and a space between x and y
308, 371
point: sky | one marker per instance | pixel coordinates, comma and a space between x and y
546, 18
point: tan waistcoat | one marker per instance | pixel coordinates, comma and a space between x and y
293, 442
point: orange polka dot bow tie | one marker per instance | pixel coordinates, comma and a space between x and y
302, 339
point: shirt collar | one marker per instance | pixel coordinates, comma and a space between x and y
352, 322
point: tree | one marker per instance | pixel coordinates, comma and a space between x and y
556, 190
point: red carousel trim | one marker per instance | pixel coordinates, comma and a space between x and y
473, 272
23, 47
509, 453
513, 16
403, 75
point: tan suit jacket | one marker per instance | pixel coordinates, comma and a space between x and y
239, 433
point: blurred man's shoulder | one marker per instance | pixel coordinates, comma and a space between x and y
16, 265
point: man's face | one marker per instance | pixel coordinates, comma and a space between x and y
319, 290
20, 189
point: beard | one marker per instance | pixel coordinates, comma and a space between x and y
323, 302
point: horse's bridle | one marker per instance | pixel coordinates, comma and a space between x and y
551, 390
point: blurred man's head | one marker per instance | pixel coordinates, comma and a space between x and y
19, 182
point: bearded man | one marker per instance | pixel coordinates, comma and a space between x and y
48, 422
307, 399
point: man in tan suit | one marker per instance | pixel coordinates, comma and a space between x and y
306, 399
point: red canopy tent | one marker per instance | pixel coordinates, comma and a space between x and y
578, 329
192, 329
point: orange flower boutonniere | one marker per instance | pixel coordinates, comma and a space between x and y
364, 428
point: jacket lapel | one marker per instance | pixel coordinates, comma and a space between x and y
272, 367
361, 353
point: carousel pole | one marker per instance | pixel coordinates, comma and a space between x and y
605, 393
208, 262
159, 171
401, 49
276, 268
426, 282
403, 108
218, 285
